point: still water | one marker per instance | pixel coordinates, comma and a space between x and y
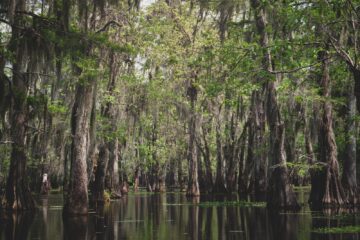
171, 216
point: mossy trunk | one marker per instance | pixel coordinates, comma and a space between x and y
219, 185
100, 173
258, 146
206, 156
328, 190
280, 193
77, 197
349, 166
193, 182
112, 180
17, 193
356, 74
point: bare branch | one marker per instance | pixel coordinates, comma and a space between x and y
112, 22
341, 51
299, 68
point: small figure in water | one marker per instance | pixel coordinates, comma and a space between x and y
45, 186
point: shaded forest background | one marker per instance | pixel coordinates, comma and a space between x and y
208, 96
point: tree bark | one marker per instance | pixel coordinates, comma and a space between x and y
219, 185
258, 147
206, 157
17, 192
280, 193
328, 191
99, 184
77, 197
136, 178
193, 183
349, 180
356, 74
232, 158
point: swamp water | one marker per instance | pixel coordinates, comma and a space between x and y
172, 216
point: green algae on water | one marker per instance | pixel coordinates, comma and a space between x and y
345, 229
222, 203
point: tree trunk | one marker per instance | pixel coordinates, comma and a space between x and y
258, 146
310, 157
201, 172
356, 74
180, 169
17, 192
280, 193
112, 180
66, 170
193, 184
349, 180
99, 184
136, 179
219, 185
77, 197
230, 155
207, 162
329, 190
92, 145
242, 162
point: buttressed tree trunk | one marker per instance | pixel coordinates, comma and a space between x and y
349, 173
99, 184
259, 146
17, 192
77, 197
329, 190
280, 193
219, 185
193, 184
356, 74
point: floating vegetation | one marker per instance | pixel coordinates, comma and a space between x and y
301, 188
345, 229
56, 190
129, 221
55, 207
221, 204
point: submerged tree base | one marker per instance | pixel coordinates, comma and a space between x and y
18, 198
280, 193
75, 208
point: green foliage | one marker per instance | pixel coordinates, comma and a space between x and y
57, 107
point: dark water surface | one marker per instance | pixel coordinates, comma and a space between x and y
171, 216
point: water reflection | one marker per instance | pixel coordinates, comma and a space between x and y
15, 226
172, 216
76, 228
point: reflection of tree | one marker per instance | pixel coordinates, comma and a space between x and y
45, 206
333, 217
17, 225
193, 223
75, 227
257, 226
283, 226
101, 221
232, 226
122, 212
154, 211
208, 217
220, 223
